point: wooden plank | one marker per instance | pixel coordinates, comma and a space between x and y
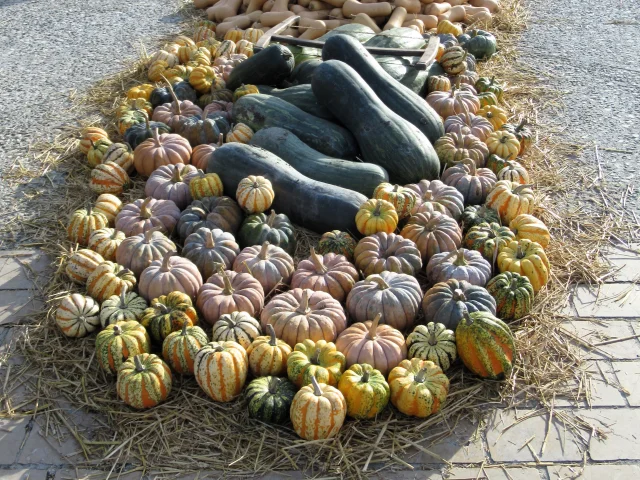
393, 52
264, 40
429, 55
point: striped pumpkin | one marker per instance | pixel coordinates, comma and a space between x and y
526, 258
510, 199
120, 154
202, 78
268, 355
119, 341
514, 172
269, 399
403, 199
184, 55
82, 264
220, 369
168, 313
454, 60
418, 387
126, 307
255, 194
130, 118
202, 57
253, 34
157, 69
245, 47
144, 381
503, 143
97, 151
497, 116
105, 242
488, 238
244, 90
513, 294
433, 342
529, 227
179, 349
89, 136
487, 98
365, 390
109, 178
83, 223
240, 133
485, 345
237, 327
109, 205
496, 163
140, 91
235, 34
226, 48
205, 185
445, 26
438, 83
203, 33
320, 360
340, 243
109, 279
77, 315
137, 104
318, 411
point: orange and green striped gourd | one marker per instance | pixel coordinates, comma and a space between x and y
513, 294
167, 314
144, 381
531, 228
318, 411
220, 369
119, 341
526, 258
255, 194
365, 390
510, 199
179, 349
320, 360
418, 387
268, 355
83, 223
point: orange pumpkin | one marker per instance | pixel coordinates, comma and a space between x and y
318, 411
83, 223
165, 149
268, 355
109, 178
220, 369
376, 216
418, 387
144, 381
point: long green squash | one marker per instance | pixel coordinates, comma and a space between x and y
269, 66
314, 205
301, 96
359, 176
384, 137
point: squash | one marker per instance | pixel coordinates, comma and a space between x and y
445, 302
486, 84
89, 136
105, 242
237, 327
514, 172
205, 185
138, 251
376, 216
438, 83
455, 147
171, 274
109, 178
120, 341
254, 194
453, 60
83, 223
240, 133
494, 114
511, 199
109, 205
109, 279
488, 239
432, 233
268, 355
330, 273
200, 157
468, 124
438, 197
270, 66
276, 229
480, 43
318, 410
97, 151
473, 183
487, 98
77, 315
402, 199
445, 26
120, 154
210, 249
513, 294
529, 227
220, 369
227, 292
365, 390
130, 118
167, 314
463, 264
453, 102
204, 130
171, 182
485, 345
268, 264
387, 252
525, 258
521, 132
81, 264
144, 381
210, 212
126, 307
180, 348
302, 97
496, 163
201, 79
475, 215
319, 360
418, 387
139, 132
269, 398
503, 144
396, 295
177, 111
159, 150
182, 90
146, 214
335, 241
433, 342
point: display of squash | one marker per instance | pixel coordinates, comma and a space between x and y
268, 264
77, 315
167, 314
118, 342
468, 124
269, 398
529, 227
435, 196
171, 182
456, 147
81, 264
120, 154
126, 307
340, 243
418, 387
180, 348
268, 355
488, 239
514, 172
170, 274
486, 84
503, 143
453, 102
463, 264
433, 342
274, 228
221, 370
511, 199
513, 294
96, 151
473, 183
145, 214
109, 205
137, 252
83, 223
90, 135
525, 258
376, 216
445, 302
105, 242
365, 390
402, 199
239, 327
210, 249
318, 411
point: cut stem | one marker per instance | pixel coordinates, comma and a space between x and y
273, 341
316, 387
138, 363
317, 262
373, 328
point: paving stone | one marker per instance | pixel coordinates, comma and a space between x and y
594, 333
23, 474
406, 475
594, 472
622, 429
495, 473
17, 305
611, 300
12, 432
628, 374
13, 276
627, 269
507, 445
56, 448
605, 390
79, 474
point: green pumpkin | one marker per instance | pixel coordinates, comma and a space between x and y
125, 307
433, 342
486, 84
446, 302
523, 133
488, 238
487, 98
480, 43
270, 398
168, 313
337, 242
496, 163
138, 133
476, 214
513, 293
275, 229
130, 118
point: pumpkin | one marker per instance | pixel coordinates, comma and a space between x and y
497, 116
180, 348
157, 69
202, 77
486, 84
445, 302
254, 194
130, 118
171, 274
126, 307
488, 238
210, 212
503, 144
137, 104
205, 130
468, 77
268, 264
445, 26
302, 314
476, 214
109, 178
227, 292
275, 229
140, 91
396, 295
144, 381
438, 83
328, 273
119, 341
81, 264
225, 95
529, 227
521, 132
480, 43
139, 132
473, 183
485, 345
120, 154
200, 157
210, 249
220, 369
89, 136
435, 196
159, 150
252, 34
513, 294
205, 185
487, 98
83, 223
381, 346
145, 214
237, 327
105, 242
109, 279
204, 33
245, 47
514, 172
433, 342
240, 133
245, 90
138, 251
269, 398
432, 233
184, 40
335, 241
376, 216
171, 182
455, 147
455, 101
77, 315
365, 390
318, 411
268, 355
226, 48
320, 360
463, 264
168, 313
525, 258
402, 199
387, 252
510, 199
468, 124
453, 60
97, 151
418, 387
496, 163
109, 205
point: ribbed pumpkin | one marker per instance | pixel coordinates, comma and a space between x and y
513, 294
109, 178
463, 264
438, 197
120, 154
200, 157
487, 98
137, 104
77, 315
240, 133
83, 223
81, 264
138, 133
252, 34
510, 200
144, 381
445, 302
268, 355
432, 233
204, 32
255, 194
365, 390
171, 182
168, 313
105, 242
529, 227
97, 151
201, 78
402, 199
237, 327
497, 116
205, 185
274, 228
396, 295
376, 216
468, 124
226, 48
387, 252
210, 212
320, 360
159, 150
381, 346
503, 144
445, 26
210, 249
438, 83
140, 91
179, 349
244, 90
455, 101
109, 279
496, 163
268, 264
475, 215
418, 387
521, 132
473, 183
526, 258
318, 411
126, 307
171, 274
514, 172
145, 214
220, 369
90, 135
455, 147
109, 205
119, 341
157, 70
269, 399
138, 251
176, 112
130, 118
485, 345
453, 60
486, 84
433, 342
340, 243
328, 273
488, 239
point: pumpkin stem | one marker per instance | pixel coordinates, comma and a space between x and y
433, 340
514, 284
208, 239
522, 124
379, 280
317, 262
264, 251
177, 175
138, 364
271, 218
419, 377
165, 261
218, 348
228, 288
145, 211
428, 196
519, 188
146, 122
374, 327
175, 102
519, 252
365, 376
246, 265
123, 297
376, 211
273, 341
273, 385
156, 137
459, 296
492, 80
316, 387
220, 140
117, 330
184, 329
162, 307
304, 303
315, 358
460, 260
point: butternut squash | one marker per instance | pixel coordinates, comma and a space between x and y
204, 3
471, 10
280, 6
244, 5
297, 9
224, 9
271, 19
354, 7
411, 6
456, 2
436, 9
429, 21
415, 23
255, 5
240, 21
396, 19
316, 5
268, 5
318, 15
492, 5
426, 2
290, 32
304, 3
336, 13
331, 24
315, 30
416, 28
456, 14
364, 19
369, 1
335, 3
482, 17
